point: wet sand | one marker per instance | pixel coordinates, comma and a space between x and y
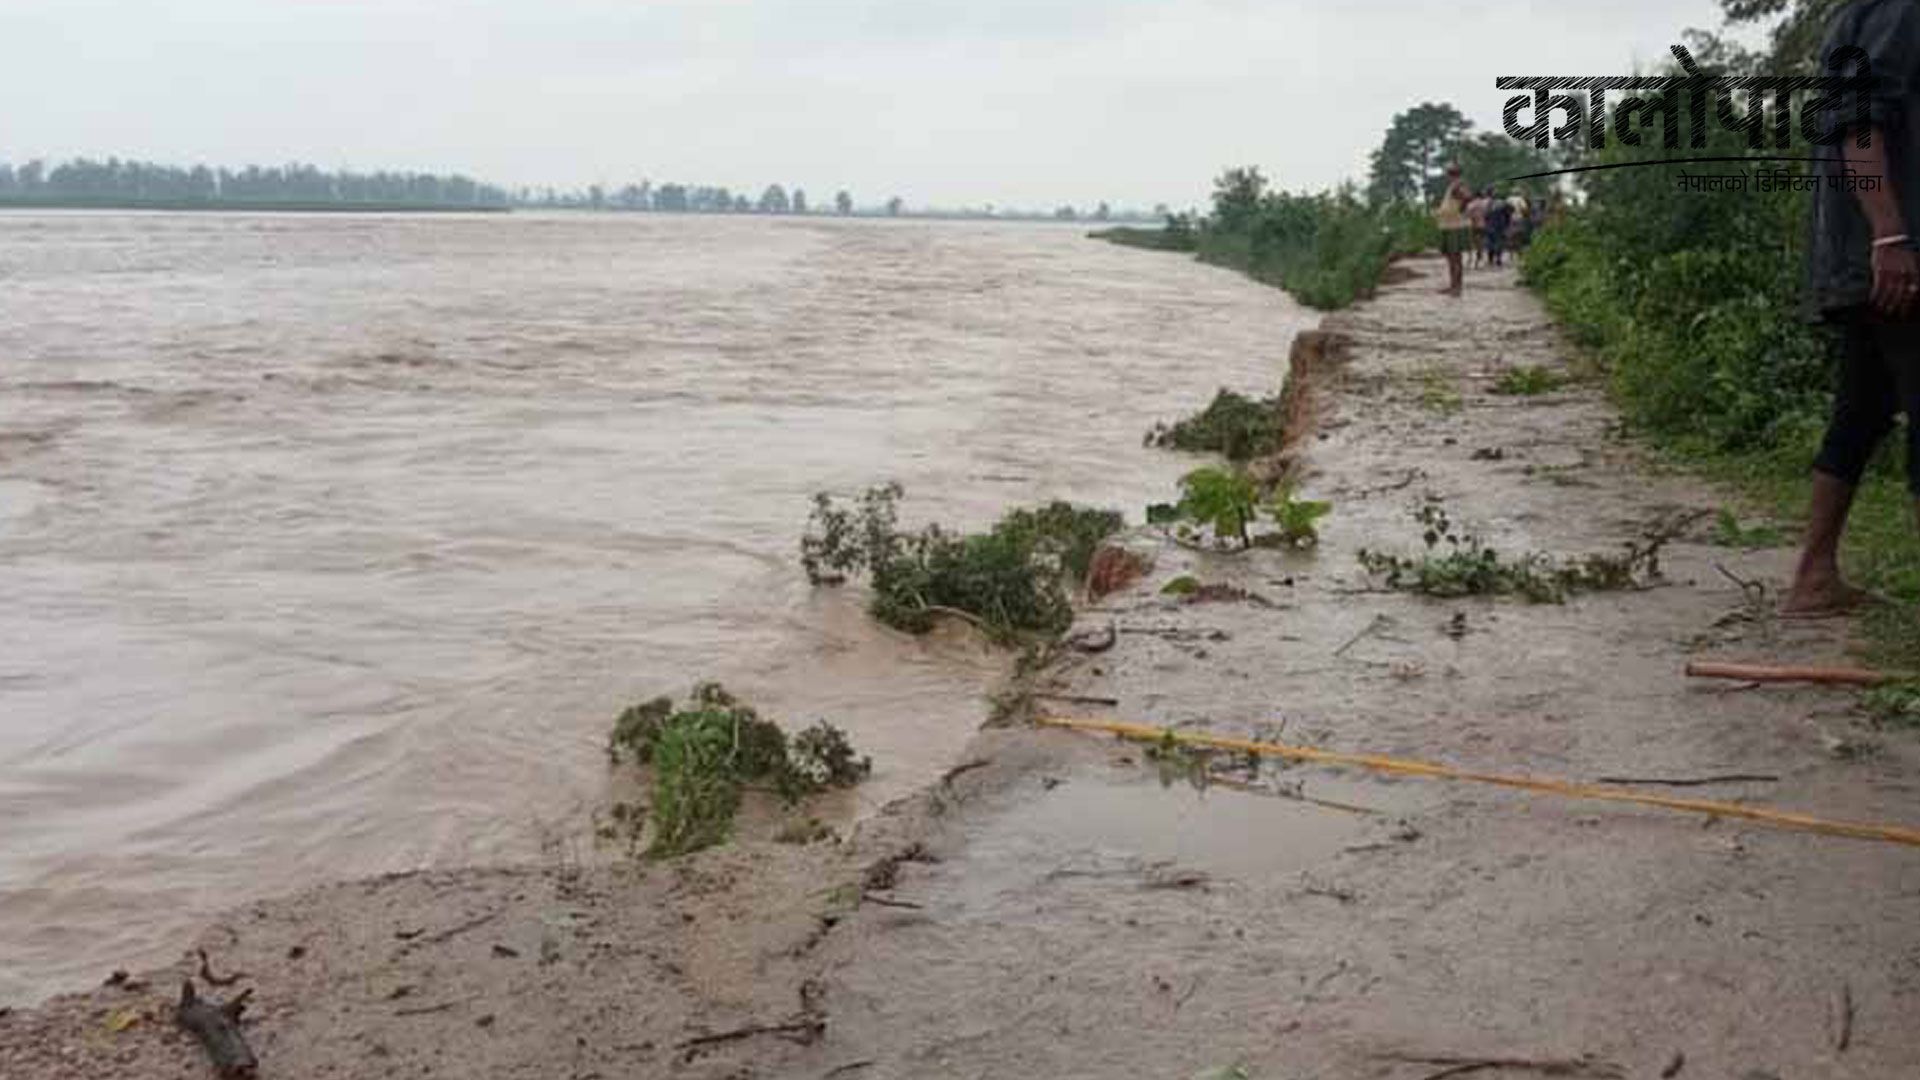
1057, 912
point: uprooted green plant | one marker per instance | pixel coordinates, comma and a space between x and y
1459, 563
1233, 425
1225, 503
1011, 581
702, 757
1296, 521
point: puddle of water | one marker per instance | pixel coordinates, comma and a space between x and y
1097, 824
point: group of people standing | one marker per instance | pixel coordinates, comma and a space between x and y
1483, 225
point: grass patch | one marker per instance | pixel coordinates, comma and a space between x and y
1729, 532
1528, 381
1232, 425
704, 754
1439, 390
1894, 705
1012, 581
1459, 563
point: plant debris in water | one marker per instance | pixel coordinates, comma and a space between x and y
1233, 425
1012, 580
702, 755
1459, 563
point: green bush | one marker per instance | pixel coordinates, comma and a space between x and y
1233, 425
704, 754
1012, 580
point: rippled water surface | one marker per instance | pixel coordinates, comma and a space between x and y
330, 545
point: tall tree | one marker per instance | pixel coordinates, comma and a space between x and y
1491, 157
774, 200
894, 206
1796, 36
799, 200
842, 203
1236, 197
1411, 161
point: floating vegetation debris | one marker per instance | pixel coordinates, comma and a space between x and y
1011, 581
702, 756
1233, 425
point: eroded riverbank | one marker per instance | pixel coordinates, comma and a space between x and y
331, 547
1053, 911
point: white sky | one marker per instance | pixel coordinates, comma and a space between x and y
945, 102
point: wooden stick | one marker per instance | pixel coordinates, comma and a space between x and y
1846, 676
1691, 781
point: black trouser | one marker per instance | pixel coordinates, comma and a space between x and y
1879, 377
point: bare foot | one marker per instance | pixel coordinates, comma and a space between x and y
1822, 599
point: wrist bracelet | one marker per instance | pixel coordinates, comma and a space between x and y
1889, 241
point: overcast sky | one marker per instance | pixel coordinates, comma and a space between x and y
946, 102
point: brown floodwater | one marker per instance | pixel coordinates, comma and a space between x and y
329, 546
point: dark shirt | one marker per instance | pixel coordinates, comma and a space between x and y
1839, 250
1499, 216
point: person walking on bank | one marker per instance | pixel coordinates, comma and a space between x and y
1520, 230
1864, 279
1451, 216
1477, 225
1499, 220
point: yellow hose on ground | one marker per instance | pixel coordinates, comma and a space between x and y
1891, 834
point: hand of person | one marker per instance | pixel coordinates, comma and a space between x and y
1896, 280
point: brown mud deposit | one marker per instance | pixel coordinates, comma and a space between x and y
1056, 911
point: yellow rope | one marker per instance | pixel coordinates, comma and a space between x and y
1888, 833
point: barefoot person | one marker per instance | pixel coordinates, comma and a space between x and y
1451, 216
1865, 279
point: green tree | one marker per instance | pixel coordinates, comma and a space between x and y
894, 206
1795, 37
1236, 197
1411, 161
1491, 157
799, 200
842, 203
774, 200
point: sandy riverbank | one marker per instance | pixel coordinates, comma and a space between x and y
1057, 911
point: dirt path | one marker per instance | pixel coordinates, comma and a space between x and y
1057, 911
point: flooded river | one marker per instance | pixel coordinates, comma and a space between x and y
329, 546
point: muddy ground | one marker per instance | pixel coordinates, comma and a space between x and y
1065, 906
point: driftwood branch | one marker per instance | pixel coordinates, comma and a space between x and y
207, 975
1460, 1066
1692, 781
217, 1025
1848, 676
803, 1030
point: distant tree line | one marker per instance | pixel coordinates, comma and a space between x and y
115, 180
120, 182
648, 197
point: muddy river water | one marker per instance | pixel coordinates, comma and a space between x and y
329, 546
